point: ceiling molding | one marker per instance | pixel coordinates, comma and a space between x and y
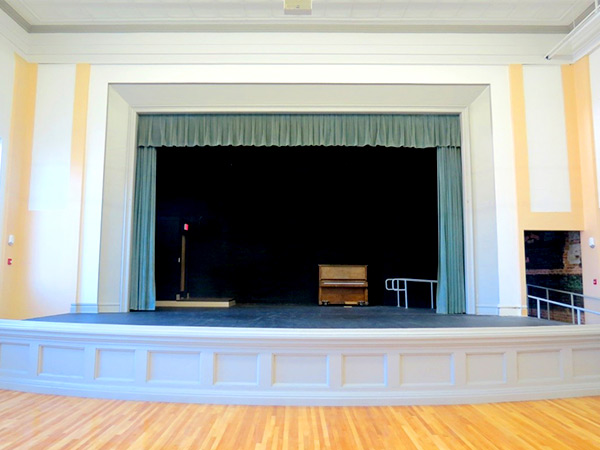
14, 15
582, 40
14, 34
250, 26
255, 43
288, 24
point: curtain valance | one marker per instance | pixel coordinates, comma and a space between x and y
357, 130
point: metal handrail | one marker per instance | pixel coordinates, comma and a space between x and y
563, 292
571, 295
393, 284
573, 308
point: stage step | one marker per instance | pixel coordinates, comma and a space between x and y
196, 303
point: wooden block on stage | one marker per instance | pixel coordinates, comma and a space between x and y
197, 302
343, 285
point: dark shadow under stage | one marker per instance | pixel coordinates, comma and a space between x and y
298, 316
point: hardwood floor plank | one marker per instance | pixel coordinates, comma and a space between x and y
31, 421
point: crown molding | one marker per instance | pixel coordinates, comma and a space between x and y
580, 41
286, 25
14, 34
278, 45
257, 26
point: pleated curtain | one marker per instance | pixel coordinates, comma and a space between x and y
142, 285
282, 130
451, 269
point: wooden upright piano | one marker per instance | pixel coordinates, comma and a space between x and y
343, 285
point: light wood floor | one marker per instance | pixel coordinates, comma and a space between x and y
53, 422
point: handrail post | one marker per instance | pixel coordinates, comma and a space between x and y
572, 309
405, 294
431, 287
539, 311
578, 317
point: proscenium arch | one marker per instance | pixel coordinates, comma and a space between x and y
125, 102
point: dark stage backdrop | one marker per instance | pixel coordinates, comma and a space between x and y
262, 219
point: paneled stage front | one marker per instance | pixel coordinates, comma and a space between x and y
438, 360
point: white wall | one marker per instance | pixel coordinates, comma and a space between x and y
546, 139
509, 301
595, 83
118, 199
484, 206
53, 203
291, 48
51, 153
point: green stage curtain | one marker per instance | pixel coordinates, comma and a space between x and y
451, 270
142, 287
351, 130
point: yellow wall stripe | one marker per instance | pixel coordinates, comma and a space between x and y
527, 219
14, 284
519, 123
78, 146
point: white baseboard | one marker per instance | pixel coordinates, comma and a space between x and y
487, 310
109, 308
511, 310
90, 308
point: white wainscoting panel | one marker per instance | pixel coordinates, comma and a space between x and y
174, 366
13, 357
115, 365
61, 361
236, 369
300, 366
300, 370
364, 370
486, 368
586, 363
426, 369
539, 365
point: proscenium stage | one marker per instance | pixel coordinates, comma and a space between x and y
299, 316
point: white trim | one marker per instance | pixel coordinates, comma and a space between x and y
345, 79
14, 34
511, 310
291, 47
469, 247
487, 310
581, 40
144, 363
128, 211
109, 307
366, 109
84, 308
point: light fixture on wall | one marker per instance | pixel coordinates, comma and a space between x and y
581, 40
297, 7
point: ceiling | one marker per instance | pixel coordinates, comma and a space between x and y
327, 15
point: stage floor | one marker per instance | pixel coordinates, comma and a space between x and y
299, 316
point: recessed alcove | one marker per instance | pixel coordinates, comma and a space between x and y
261, 219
